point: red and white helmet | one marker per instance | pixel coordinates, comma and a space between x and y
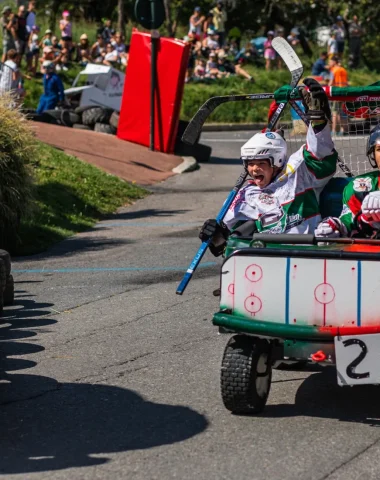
265, 146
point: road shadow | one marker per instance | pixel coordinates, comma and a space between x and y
150, 212
320, 396
68, 423
46, 425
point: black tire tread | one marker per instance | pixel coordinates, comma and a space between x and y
94, 115
103, 128
6, 258
238, 374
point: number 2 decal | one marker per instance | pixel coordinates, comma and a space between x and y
351, 367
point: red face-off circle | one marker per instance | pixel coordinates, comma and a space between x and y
252, 304
324, 293
253, 273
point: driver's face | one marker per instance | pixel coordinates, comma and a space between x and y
261, 172
377, 156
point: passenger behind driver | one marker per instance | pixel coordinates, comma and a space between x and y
360, 216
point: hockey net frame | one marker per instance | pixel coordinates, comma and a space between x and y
359, 111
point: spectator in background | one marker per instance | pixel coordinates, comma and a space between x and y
98, 50
200, 68
341, 34
332, 45
269, 51
219, 21
10, 73
280, 33
293, 37
53, 89
33, 53
228, 67
196, 23
338, 78
355, 31
31, 18
66, 31
120, 48
247, 54
208, 25
110, 56
21, 32
212, 40
83, 53
107, 32
47, 39
319, 68
9, 27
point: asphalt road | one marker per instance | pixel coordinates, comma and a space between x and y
108, 374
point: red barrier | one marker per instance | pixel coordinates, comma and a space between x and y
172, 60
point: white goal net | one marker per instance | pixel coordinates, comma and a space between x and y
356, 111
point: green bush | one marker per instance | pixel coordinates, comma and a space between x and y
17, 148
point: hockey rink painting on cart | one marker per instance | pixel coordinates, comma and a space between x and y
302, 291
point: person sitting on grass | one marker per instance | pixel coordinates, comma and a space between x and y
83, 56
47, 39
53, 89
228, 68
110, 58
98, 50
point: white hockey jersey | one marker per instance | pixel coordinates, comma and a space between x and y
290, 204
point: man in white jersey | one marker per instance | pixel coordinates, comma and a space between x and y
282, 195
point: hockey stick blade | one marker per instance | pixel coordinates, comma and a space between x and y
194, 128
295, 67
290, 58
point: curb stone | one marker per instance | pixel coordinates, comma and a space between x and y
188, 165
222, 127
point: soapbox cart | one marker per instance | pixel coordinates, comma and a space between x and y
289, 298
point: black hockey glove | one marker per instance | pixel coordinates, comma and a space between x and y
315, 100
217, 233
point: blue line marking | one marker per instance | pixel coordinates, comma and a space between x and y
359, 312
287, 291
111, 269
147, 224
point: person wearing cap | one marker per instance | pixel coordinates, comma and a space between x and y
53, 88
219, 19
66, 31
196, 23
269, 51
341, 34
9, 27
47, 39
83, 54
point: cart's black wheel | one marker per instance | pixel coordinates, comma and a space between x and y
246, 377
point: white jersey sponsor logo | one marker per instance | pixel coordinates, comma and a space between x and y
362, 184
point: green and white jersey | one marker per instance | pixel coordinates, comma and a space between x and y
353, 196
290, 204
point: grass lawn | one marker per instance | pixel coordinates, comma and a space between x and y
70, 196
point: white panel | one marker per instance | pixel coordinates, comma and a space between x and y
227, 284
260, 284
370, 293
305, 275
342, 278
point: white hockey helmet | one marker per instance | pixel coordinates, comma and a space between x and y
265, 146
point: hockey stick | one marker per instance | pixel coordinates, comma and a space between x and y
194, 128
296, 69
345, 169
